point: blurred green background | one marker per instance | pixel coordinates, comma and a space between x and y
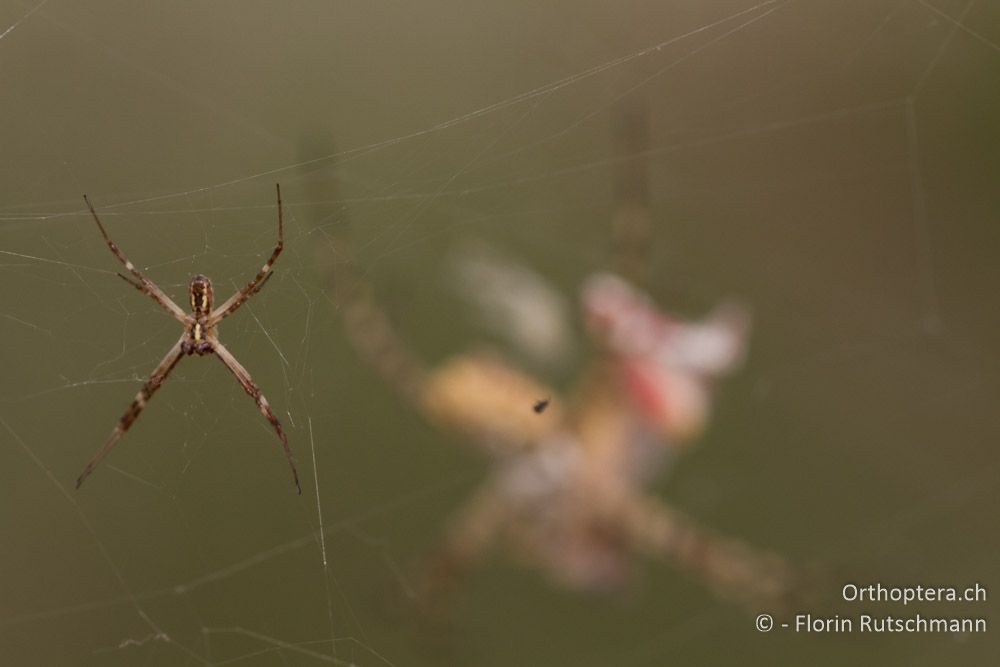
834, 165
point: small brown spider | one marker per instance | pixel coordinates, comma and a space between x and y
200, 337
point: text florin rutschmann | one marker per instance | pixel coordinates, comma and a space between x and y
880, 624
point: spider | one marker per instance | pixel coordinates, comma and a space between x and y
199, 337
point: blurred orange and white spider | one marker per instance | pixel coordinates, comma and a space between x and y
200, 336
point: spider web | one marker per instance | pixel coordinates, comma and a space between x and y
834, 166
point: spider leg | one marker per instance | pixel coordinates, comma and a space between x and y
125, 421
147, 285
252, 287
632, 225
244, 295
243, 377
729, 567
471, 532
367, 325
134, 283
131, 282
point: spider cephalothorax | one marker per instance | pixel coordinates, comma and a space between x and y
199, 338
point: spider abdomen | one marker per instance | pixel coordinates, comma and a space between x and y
201, 294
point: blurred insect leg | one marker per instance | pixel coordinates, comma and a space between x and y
367, 326
470, 534
631, 224
729, 567
372, 335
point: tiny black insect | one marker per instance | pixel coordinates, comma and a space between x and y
540, 406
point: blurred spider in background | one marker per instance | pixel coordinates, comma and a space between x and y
568, 490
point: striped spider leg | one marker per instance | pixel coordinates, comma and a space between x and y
200, 337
